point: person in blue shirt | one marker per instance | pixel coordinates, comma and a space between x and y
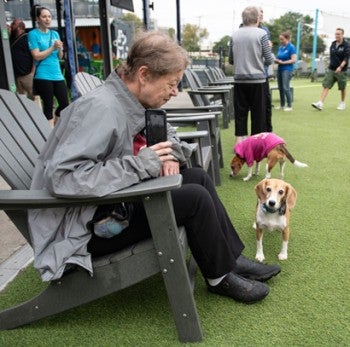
286, 57
47, 50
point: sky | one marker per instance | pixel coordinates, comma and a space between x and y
221, 17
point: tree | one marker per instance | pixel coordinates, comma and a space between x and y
192, 35
171, 32
222, 45
133, 20
289, 22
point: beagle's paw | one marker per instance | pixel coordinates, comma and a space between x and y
247, 178
283, 256
260, 257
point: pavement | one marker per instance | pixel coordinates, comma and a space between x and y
15, 252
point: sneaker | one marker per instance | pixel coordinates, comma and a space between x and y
341, 106
318, 105
278, 107
287, 109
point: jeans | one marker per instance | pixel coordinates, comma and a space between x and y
283, 79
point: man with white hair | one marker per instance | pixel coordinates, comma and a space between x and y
251, 52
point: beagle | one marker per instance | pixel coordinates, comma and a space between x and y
275, 200
260, 146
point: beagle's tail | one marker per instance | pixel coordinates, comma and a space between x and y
300, 164
291, 159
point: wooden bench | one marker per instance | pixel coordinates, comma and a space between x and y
274, 87
23, 132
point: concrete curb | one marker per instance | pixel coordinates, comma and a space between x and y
10, 268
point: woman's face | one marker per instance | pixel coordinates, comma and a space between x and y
283, 40
44, 19
156, 91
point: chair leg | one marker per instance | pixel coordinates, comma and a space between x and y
173, 268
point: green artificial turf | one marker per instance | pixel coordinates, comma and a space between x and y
309, 302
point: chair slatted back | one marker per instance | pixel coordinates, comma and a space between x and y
23, 131
202, 77
85, 82
198, 100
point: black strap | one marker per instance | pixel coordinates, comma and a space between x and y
17, 39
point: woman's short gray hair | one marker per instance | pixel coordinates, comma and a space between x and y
250, 15
158, 51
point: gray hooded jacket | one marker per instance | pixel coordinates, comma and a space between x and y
89, 153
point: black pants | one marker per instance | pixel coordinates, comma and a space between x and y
47, 91
268, 107
250, 97
212, 238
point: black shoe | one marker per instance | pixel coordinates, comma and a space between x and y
254, 270
240, 289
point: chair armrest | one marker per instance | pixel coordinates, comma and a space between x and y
190, 119
208, 108
227, 83
192, 135
31, 199
223, 88
209, 92
170, 115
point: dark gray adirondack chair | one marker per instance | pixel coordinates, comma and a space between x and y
201, 96
23, 132
223, 86
210, 147
84, 82
217, 77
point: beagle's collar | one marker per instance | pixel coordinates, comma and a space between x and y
266, 209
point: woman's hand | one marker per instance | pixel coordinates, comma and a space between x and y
170, 167
58, 44
163, 150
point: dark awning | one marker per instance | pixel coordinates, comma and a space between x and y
124, 4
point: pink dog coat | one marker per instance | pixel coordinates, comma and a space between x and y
256, 147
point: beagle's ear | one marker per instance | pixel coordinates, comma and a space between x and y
291, 196
260, 189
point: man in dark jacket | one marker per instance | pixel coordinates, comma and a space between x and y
21, 58
338, 64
